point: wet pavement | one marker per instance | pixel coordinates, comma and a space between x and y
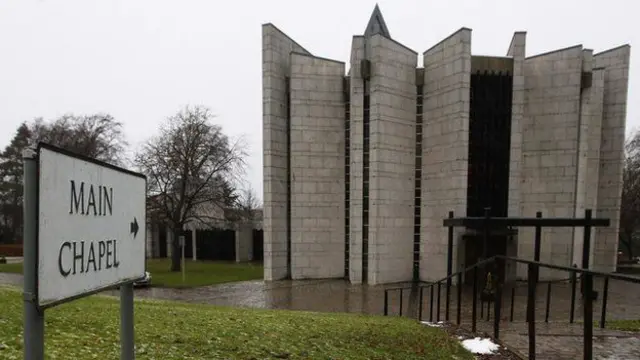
562, 341
340, 296
556, 340
310, 295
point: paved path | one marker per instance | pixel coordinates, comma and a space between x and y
562, 341
10, 279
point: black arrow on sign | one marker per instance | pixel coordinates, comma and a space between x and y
134, 227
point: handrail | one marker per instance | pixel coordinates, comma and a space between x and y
615, 276
478, 264
586, 279
481, 221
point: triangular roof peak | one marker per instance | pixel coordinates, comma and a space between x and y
376, 24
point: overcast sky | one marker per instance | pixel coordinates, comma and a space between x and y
142, 60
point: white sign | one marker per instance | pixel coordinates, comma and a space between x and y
91, 226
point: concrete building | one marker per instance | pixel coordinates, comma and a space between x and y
362, 162
232, 225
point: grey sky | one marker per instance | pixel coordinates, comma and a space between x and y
142, 60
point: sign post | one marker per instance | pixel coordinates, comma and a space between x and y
33, 317
81, 224
126, 322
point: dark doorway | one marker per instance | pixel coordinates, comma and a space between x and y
488, 171
489, 143
258, 245
216, 244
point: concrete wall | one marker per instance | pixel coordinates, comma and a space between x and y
589, 152
447, 81
276, 49
317, 167
550, 145
356, 148
616, 81
392, 160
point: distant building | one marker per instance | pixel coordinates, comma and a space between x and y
230, 232
360, 170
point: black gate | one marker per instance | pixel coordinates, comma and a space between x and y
258, 245
216, 244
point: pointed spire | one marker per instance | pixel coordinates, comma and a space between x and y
376, 24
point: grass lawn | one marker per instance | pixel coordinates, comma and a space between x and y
198, 273
624, 325
201, 273
15, 268
89, 328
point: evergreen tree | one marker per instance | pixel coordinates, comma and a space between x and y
11, 186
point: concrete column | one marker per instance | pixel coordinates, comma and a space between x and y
614, 113
276, 50
550, 151
356, 156
317, 167
244, 242
193, 243
445, 149
517, 50
169, 241
392, 159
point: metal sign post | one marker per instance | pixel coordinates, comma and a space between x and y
81, 221
126, 322
33, 317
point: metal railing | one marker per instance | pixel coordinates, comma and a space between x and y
586, 277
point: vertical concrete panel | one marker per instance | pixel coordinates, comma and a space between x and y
276, 47
447, 79
317, 167
356, 146
616, 81
392, 161
517, 52
549, 151
588, 151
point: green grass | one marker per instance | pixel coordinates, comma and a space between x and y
201, 273
15, 268
89, 328
624, 325
198, 273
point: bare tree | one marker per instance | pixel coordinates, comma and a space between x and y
188, 167
630, 202
98, 136
248, 203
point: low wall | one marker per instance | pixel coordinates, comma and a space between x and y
10, 249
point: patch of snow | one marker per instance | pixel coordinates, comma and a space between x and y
438, 324
480, 346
